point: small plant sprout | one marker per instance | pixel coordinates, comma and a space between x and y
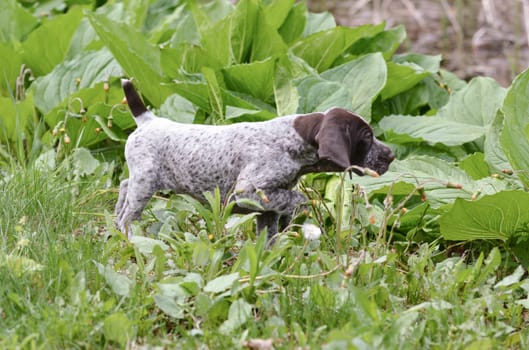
20, 84
106, 88
422, 193
110, 118
450, 184
364, 171
311, 232
260, 193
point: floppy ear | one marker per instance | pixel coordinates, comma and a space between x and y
308, 126
342, 138
334, 143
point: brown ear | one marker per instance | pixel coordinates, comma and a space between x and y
308, 126
341, 136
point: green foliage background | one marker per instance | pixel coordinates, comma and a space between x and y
461, 175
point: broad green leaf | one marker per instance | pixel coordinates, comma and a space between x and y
452, 81
195, 92
15, 22
494, 154
118, 327
240, 312
318, 22
515, 135
15, 117
386, 42
173, 290
178, 109
243, 25
48, 45
185, 62
169, 306
253, 78
250, 261
266, 40
214, 94
175, 28
277, 11
353, 85
201, 251
84, 39
401, 77
288, 69
216, 45
119, 283
429, 63
9, 69
236, 114
433, 129
499, 216
135, 55
207, 14
492, 263
135, 12
46, 161
198, 94
243, 101
513, 278
437, 176
221, 283
235, 221
465, 118
407, 321
320, 50
476, 104
83, 162
146, 245
294, 24
426, 94
172, 24
475, 166
83, 71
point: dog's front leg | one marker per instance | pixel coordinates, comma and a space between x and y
266, 185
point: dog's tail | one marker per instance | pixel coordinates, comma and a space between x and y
136, 105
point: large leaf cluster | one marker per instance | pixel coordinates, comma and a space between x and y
208, 62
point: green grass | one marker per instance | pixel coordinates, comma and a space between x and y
69, 280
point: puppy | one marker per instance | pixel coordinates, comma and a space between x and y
260, 161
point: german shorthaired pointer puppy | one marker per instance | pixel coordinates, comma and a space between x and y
260, 161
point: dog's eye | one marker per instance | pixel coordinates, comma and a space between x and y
366, 134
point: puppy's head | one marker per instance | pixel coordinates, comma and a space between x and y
344, 139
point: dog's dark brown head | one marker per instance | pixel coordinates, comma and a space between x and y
343, 139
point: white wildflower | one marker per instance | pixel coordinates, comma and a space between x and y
23, 243
311, 232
